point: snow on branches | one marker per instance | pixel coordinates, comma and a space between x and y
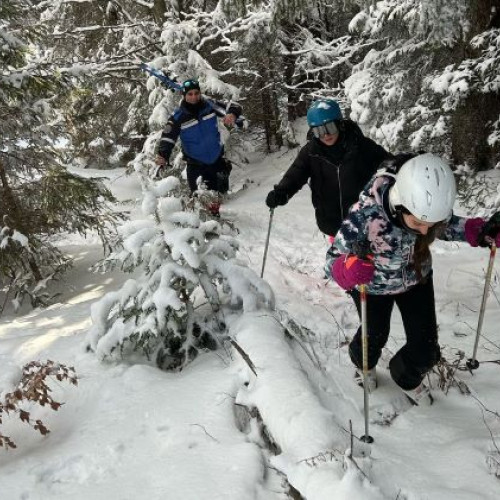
415, 90
186, 273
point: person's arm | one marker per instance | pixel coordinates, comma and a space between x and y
374, 154
454, 229
167, 141
230, 111
351, 236
348, 260
477, 231
293, 180
298, 173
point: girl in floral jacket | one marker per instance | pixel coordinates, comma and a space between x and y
384, 244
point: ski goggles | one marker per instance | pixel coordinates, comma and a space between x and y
190, 85
329, 128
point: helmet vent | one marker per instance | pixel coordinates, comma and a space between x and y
438, 178
429, 199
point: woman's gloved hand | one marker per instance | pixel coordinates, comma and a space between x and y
350, 270
481, 232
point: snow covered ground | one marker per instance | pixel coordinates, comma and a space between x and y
134, 432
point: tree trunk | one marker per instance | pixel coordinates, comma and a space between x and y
159, 9
13, 213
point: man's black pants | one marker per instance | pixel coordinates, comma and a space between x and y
421, 351
215, 176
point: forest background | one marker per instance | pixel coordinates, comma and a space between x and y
416, 75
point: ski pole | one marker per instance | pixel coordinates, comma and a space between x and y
473, 363
364, 343
362, 250
271, 213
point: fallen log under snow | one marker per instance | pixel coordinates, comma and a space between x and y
312, 444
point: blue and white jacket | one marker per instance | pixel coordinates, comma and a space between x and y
371, 226
198, 130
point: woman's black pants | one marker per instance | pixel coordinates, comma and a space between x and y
421, 351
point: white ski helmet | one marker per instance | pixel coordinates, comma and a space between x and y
425, 186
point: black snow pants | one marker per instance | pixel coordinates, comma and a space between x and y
421, 351
215, 176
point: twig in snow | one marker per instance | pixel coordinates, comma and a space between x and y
292, 326
340, 329
244, 355
490, 431
446, 374
205, 431
327, 456
483, 406
495, 361
351, 436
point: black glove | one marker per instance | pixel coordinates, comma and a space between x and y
276, 197
490, 229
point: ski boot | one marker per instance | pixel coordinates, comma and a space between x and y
420, 396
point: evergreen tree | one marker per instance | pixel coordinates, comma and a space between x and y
187, 278
286, 53
416, 90
99, 48
38, 197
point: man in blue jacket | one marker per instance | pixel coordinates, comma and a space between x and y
195, 122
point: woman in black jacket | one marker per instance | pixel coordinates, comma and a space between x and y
338, 161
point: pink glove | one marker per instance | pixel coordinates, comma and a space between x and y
472, 229
349, 271
475, 227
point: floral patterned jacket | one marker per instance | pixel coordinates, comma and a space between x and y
371, 226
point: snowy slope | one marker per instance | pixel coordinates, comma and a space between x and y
134, 432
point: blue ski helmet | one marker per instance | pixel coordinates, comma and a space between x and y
323, 111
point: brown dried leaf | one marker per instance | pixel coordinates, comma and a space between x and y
24, 416
43, 430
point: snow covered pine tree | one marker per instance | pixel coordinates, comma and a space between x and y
187, 278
